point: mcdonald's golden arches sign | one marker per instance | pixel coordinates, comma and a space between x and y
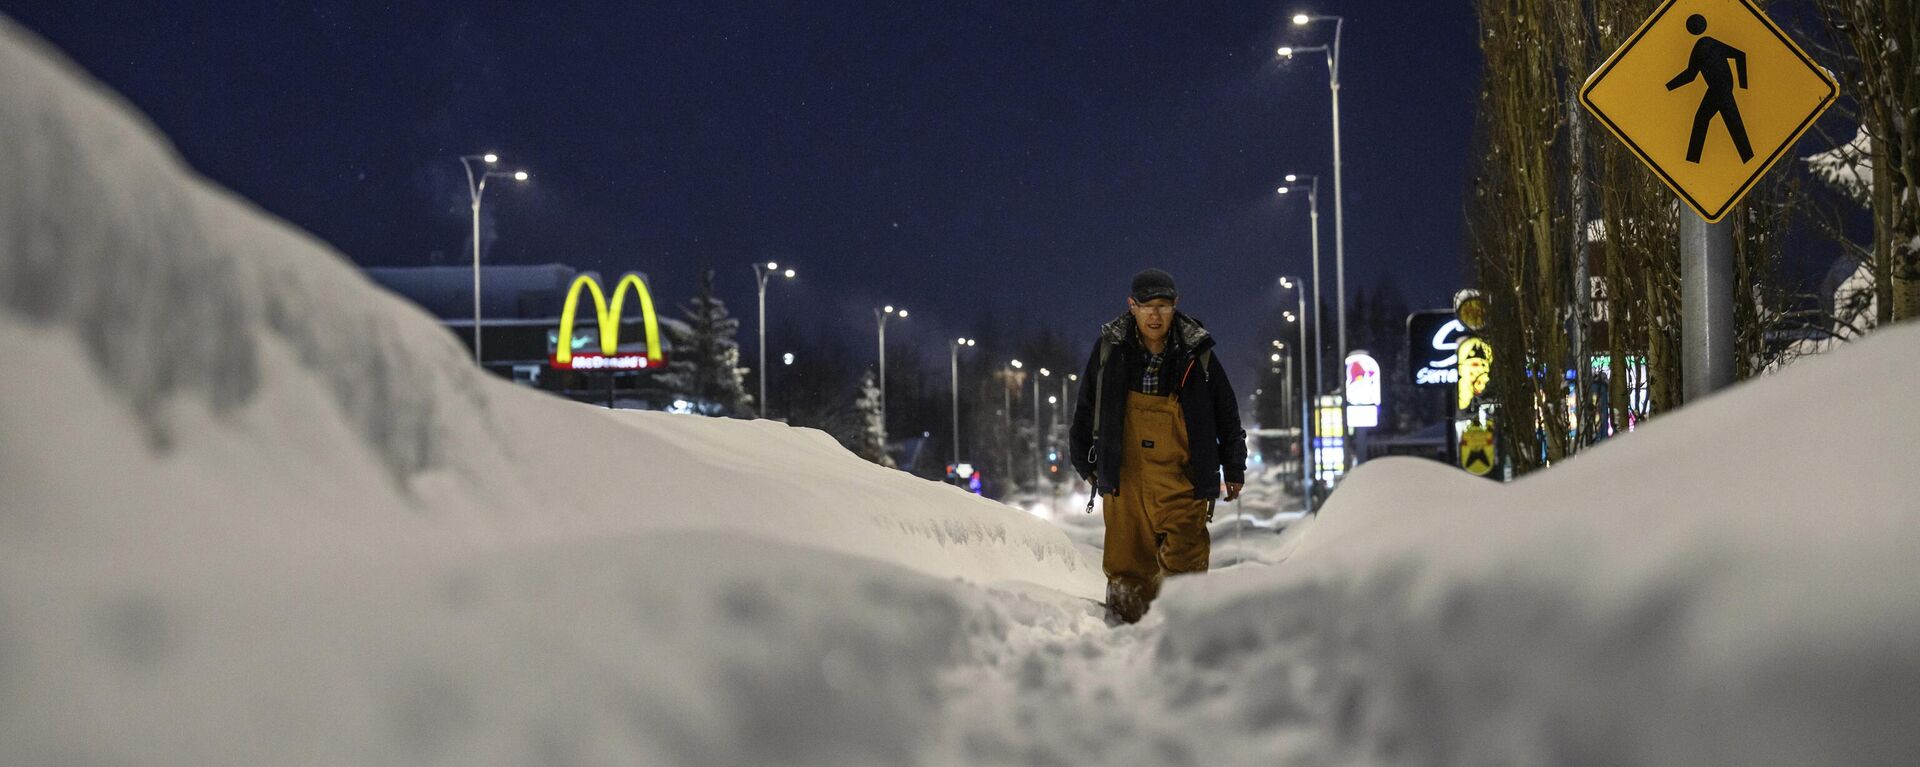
609, 355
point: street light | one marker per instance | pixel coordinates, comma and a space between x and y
1308, 459
1339, 219
476, 188
880, 317
1038, 475
953, 347
1007, 410
760, 273
1312, 188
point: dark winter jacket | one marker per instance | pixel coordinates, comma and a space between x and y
1217, 444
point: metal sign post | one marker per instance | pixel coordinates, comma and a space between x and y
1706, 305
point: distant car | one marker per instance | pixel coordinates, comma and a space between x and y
964, 475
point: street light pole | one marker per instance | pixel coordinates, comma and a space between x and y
1286, 376
1006, 408
760, 273
1286, 381
1038, 475
1309, 461
1313, 215
1339, 197
880, 317
1058, 415
477, 188
953, 348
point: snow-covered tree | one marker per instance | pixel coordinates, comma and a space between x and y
705, 369
871, 442
1881, 166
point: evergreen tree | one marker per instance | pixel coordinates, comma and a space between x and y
871, 442
705, 369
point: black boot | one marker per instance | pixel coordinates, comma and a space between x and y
1126, 600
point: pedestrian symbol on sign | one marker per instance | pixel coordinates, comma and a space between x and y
1709, 62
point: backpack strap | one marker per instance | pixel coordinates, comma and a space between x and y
1099, 394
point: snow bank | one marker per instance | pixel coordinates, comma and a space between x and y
254, 510
1735, 584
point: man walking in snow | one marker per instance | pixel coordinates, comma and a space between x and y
1155, 429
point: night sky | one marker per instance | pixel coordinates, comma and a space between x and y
961, 158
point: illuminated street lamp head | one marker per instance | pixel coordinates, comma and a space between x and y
789, 274
1073, 376
1276, 358
772, 267
1301, 19
519, 175
969, 342
1292, 177
903, 314
1046, 372
1286, 283
1285, 189
1017, 365
888, 309
1052, 400
491, 158
1285, 53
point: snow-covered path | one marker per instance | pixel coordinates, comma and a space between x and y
1060, 684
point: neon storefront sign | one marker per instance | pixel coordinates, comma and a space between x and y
609, 356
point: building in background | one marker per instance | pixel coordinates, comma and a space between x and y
520, 309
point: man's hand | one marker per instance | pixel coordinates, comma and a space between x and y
1233, 490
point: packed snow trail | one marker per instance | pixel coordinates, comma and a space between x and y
254, 510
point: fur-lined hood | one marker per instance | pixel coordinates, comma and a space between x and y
1191, 334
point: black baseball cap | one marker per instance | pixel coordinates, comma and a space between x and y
1154, 283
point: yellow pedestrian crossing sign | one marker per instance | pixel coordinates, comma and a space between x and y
1710, 94
1476, 450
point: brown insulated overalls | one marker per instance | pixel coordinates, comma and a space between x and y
1155, 525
